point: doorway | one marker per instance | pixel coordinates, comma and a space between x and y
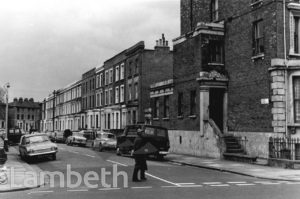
216, 97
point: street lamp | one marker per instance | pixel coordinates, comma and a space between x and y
6, 87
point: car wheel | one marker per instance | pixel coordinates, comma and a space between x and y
100, 147
54, 156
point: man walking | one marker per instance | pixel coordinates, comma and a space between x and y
139, 157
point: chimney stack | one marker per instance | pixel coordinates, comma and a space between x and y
162, 43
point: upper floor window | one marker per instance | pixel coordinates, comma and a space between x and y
214, 10
106, 77
117, 73
156, 107
122, 93
296, 35
111, 76
136, 91
258, 37
296, 86
166, 106
129, 92
193, 102
101, 80
180, 104
117, 95
122, 71
97, 81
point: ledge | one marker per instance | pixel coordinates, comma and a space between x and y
256, 4
155, 119
166, 118
258, 56
179, 117
193, 116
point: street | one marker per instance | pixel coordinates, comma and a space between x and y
164, 180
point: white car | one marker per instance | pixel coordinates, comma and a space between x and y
36, 145
77, 138
104, 141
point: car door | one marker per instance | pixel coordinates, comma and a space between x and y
22, 145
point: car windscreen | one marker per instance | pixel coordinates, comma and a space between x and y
81, 134
155, 132
132, 130
37, 139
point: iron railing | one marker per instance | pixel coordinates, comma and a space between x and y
284, 148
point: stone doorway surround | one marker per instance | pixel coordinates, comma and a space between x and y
207, 81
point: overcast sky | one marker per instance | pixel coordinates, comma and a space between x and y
47, 44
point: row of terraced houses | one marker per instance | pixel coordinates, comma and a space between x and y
234, 71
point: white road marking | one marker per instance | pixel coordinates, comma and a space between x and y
185, 183
108, 189
77, 190
260, 182
270, 183
236, 182
114, 162
209, 183
61, 148
40, 192
186, 186
89, 155
248, 184
146, 187
219, 185
148, 174
169, 186
73, 151
292, 182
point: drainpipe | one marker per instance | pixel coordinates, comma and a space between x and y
286, 71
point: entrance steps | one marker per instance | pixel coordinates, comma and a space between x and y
235, 151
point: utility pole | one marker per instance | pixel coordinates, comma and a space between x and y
7, 86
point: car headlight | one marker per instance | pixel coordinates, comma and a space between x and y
30, 150
54, 148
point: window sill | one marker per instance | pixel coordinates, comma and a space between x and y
215, 64
166, 119
192, 116
258, 56
294, 55
179, 117
155, 119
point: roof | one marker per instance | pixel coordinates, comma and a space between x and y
24, 104
35, 134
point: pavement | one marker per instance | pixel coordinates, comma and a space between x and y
260, 170
16, 174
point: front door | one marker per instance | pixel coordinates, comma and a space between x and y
216, 96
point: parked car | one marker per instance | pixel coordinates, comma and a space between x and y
156, 140
59, 137
76, 138
14, 136
104, 140
37, 145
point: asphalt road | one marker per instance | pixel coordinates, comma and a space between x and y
164, 180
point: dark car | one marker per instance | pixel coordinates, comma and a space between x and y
14, 136
156, 140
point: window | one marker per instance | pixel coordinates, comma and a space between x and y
122, 93
106, 77
117, 73
117, 95
18, 117
101, 79
296, 35
258, 38
97, 81
136, 91
134, 117
106, 97
296, 83
136, 66
215, 52
214, 10
156, 107
180, 104
32, 117
101, 98
166, 106
98, 99
111, 76
193, 102
122, 71
129, 92
110, 96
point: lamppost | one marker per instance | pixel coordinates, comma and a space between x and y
6, 87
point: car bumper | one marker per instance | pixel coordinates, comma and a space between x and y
163, 152
40, 154
79, 142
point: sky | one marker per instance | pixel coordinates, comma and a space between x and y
48, 44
